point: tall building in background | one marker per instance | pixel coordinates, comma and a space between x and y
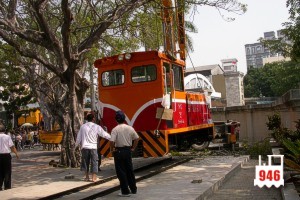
257, 54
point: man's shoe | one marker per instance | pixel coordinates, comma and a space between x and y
123, 195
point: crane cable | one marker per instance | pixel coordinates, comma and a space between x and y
193, 66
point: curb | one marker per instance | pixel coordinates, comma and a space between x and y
210, 191
288, 191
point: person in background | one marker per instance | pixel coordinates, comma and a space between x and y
237, 131
87, 137
121, 146
19, 142
23, 142
13, 137
6, 146
35, 138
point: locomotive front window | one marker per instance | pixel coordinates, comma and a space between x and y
113, 77
144, 73
178, 77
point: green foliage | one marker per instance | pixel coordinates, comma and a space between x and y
279, 132
9, 62
284, 75
292, 29
256, 83
289, 45
294, 149
292, 153
14, 91
176, 153
290, 140
297, 126
262, 148
274, 122
274, 79
15, 96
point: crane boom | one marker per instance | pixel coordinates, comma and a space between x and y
181, 29
169, 26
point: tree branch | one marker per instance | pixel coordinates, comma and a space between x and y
113, 16
11, 11
26, 52
50, 37
65, 30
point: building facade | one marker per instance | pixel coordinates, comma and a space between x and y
229, 84
256, 52
229, 65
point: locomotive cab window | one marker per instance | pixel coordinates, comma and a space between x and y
113, 77
178, 77
144, 73
167, 77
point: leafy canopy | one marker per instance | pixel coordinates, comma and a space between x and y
272, 80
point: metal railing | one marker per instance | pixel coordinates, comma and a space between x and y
291, 95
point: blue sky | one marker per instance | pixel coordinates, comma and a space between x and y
217, 39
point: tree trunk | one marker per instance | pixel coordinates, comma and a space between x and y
65, 106
69, 155
71, 121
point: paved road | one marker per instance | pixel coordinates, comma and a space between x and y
32, 174
241, 186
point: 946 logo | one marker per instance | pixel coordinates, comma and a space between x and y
270, 174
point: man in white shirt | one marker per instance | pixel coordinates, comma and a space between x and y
6, 146
87, 137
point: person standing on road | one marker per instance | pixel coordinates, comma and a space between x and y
6, 146
19, 142
121, 146
87, 137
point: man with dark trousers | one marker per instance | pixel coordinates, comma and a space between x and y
121, 146
6, 146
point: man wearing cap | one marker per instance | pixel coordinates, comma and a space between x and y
6, 146
87, 137
121, 145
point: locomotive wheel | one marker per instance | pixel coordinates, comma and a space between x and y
200, 146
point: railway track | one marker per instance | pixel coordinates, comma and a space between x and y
167, 177
111, 184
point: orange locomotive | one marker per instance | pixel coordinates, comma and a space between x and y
136, 83
149, 88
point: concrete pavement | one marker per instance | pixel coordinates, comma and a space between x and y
34, 178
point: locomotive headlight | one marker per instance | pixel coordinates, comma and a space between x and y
121, 57
127, 56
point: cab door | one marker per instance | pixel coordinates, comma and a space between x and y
174, 85
178, 97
